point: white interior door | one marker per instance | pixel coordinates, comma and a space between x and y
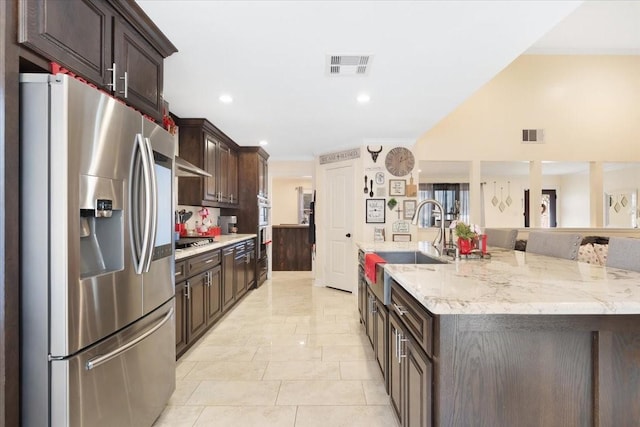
340, 258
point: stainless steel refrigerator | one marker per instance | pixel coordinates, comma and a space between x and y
97, 291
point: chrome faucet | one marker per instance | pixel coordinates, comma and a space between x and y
414, 221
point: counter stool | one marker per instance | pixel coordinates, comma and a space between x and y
624, 252
501, 237
554, 244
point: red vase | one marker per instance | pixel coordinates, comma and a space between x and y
465, 246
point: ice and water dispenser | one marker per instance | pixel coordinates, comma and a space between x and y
101, 226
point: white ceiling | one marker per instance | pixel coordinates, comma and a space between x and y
427, 57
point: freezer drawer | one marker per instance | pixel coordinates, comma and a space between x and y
130, 388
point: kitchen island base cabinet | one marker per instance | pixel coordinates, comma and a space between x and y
508, 370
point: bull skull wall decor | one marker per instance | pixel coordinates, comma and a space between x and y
374, 154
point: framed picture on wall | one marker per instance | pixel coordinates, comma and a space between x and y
401, 237
375, 211
397, 187
409, 208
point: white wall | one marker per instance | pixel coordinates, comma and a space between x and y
588, 107
284, 199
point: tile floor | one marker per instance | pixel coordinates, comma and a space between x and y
289, 354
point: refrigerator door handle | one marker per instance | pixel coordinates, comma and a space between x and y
99, 360
141, 247
152, 203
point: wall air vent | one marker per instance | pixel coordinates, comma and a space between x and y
348, 65
532, 136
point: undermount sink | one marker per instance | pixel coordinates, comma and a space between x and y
408, 257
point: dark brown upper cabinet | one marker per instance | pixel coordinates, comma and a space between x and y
205, 146
111, 43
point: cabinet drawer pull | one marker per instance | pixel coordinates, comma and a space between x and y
401, 310
209, 261
178, 273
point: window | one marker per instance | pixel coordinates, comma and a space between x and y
454, 198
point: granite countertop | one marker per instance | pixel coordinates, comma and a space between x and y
220, 241
514, 282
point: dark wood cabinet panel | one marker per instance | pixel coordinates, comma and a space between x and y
263, 177
228, 282
77, 34
181, 317
200, 263
208, 148
100, 40
396, 381
416, 318
381, 343
251, 263
210, 165
371, 313
418, 386
249, 159
139, 70
196, 293
252, 166
290, 248
214, 295
223, 173
241, 275
232, 177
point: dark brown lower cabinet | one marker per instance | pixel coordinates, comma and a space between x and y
370, 313
214, 294
240, 266
410, 377
381, 343
207, 286
504, 370
197, 300
228, 282
181, 317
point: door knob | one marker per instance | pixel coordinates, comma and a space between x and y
348, 234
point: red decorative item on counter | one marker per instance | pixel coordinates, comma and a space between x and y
465, 246
483, 244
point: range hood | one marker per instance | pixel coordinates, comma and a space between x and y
184, 168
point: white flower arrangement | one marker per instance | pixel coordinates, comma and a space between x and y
465, 231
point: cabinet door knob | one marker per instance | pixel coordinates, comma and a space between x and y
348, 235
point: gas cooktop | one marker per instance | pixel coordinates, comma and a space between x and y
191, 242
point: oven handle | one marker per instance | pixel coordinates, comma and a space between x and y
99, 360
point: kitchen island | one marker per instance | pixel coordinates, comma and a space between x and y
517, 339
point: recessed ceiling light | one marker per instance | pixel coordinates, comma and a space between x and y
263, 142
226, 99
363, 98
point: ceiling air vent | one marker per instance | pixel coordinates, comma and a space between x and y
532, 136
348, 65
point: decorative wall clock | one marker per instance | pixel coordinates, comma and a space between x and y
399, 161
